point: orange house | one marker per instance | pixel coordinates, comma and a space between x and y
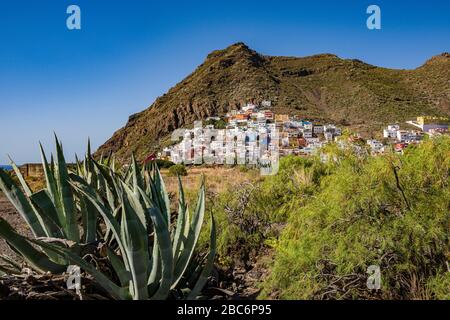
241, 116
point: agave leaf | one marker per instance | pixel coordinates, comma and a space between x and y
48, 212
89, 218
137, 177
44, 209
109, 235
111, 198
52, 187
206, 272
86, 173
114, 290
165, 249
78, 163
89, 152
66, 195
52, 164
90, 163
192, 274
162, 193
192, 237
135, 239
185, 234
101, 183
181, 221
106, 214
117, 187
155, 271
113, 163
108, 176
21, 203
19, 175
138, 206
35, 258
128, 175
187, 227
147, 179
118, 266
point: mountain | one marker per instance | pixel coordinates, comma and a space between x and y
321, 87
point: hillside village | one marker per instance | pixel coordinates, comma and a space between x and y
250, 135
255, 134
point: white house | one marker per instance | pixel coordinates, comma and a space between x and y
318, 129
328, 136
391, 131
249, 106
376, 146
307, 133
402, 135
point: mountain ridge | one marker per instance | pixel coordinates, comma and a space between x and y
321, 87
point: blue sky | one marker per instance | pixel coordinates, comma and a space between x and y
87, 82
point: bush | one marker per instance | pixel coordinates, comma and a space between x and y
218, 124
164, 164
178, 170
243, 168
391, 211
250, 214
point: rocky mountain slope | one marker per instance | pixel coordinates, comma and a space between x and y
321, 87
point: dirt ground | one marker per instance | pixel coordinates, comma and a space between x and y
216, 178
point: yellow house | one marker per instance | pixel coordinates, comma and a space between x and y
281, 118
432, 120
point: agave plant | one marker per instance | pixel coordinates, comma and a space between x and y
128, 216
49, 213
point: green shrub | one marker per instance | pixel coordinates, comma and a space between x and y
218, 124
243, 168
251, 213
164, 164
391, 211
178, 170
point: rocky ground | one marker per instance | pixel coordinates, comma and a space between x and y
242, 282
